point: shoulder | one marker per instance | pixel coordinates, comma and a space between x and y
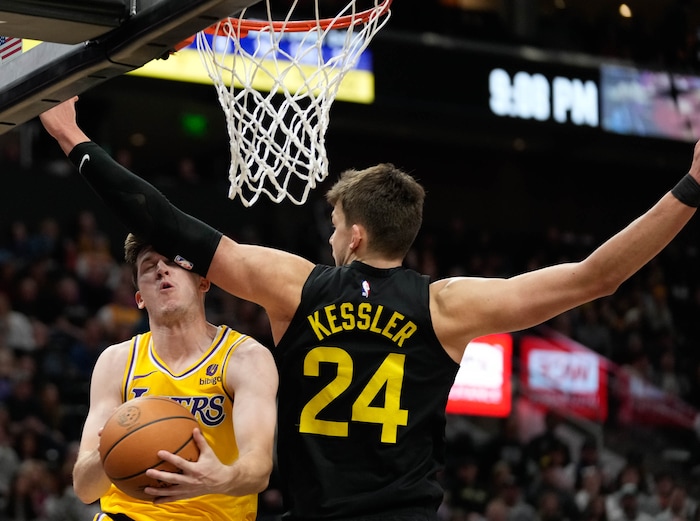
251, 360
249, 347
252, 367
115, 355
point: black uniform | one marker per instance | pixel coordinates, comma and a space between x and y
363, 389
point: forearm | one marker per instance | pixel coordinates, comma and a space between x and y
89, 479
145, 211
626, 252
250, 474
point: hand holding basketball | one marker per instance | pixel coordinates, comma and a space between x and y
133, 435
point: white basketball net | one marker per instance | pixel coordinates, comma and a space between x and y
277, 131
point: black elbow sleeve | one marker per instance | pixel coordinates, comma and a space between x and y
145, 211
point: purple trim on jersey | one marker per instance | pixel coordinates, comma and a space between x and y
130, 371
223, 333
224, 364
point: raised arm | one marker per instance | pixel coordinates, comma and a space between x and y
270, 278
464, 308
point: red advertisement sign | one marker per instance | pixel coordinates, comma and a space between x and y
483, 386
562, 374
645, 404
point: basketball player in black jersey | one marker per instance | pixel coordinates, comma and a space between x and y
367, 350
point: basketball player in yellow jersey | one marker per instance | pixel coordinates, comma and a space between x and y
227, 379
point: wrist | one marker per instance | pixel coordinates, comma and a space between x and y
687, 191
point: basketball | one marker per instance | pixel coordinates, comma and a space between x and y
134, 434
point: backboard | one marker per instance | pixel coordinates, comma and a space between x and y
113, 37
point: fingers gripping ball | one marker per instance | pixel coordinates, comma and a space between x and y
135, 433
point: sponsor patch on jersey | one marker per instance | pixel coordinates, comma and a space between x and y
183, 263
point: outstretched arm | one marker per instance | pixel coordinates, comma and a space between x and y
464, 308
139, 205
270, 278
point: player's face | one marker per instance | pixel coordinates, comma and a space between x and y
163, 285
340, 239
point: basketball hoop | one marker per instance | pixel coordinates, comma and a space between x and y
276, 82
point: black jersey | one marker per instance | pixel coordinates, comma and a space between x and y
363, 388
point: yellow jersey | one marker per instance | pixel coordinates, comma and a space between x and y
201, 388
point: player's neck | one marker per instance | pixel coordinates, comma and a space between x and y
376, 261
181, 344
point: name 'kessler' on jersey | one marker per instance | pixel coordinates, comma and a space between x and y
358, 366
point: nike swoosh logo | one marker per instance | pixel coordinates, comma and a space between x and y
84, 160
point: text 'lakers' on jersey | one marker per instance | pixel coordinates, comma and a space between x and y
362, 377
201, 389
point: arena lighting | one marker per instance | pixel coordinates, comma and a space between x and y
60, 21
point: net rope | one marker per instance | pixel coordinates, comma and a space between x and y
277, 132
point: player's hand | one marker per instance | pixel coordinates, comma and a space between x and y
695, 166
60, 122
57, 118
207, 475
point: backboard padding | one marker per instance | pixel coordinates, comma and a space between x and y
59, 21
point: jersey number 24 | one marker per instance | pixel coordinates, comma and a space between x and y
389, 376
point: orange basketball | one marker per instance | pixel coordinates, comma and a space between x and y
135, 433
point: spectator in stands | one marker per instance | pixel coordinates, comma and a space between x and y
628, 505
551, 489
465, 488
495, 510
23, 403
9, 462
120, 316
506, 446
591, 331
541, 448
89, 237
29, 491
16, 330
660, 496
595, 510
64, 504
657, 313
549, 507
588, 457
667, 376
7, 372
680, 506
590, 487
512, 496
631, 480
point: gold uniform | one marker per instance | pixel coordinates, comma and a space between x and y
201, 389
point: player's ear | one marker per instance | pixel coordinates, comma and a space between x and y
139, 301
357, 235
204, 284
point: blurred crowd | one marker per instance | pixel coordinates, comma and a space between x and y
65, 295
655, 33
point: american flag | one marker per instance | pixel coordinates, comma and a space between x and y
9, 46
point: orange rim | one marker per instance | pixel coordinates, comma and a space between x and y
243, 26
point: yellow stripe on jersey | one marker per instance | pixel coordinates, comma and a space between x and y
201, 388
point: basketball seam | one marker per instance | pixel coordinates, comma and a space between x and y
117, 442
161, 461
